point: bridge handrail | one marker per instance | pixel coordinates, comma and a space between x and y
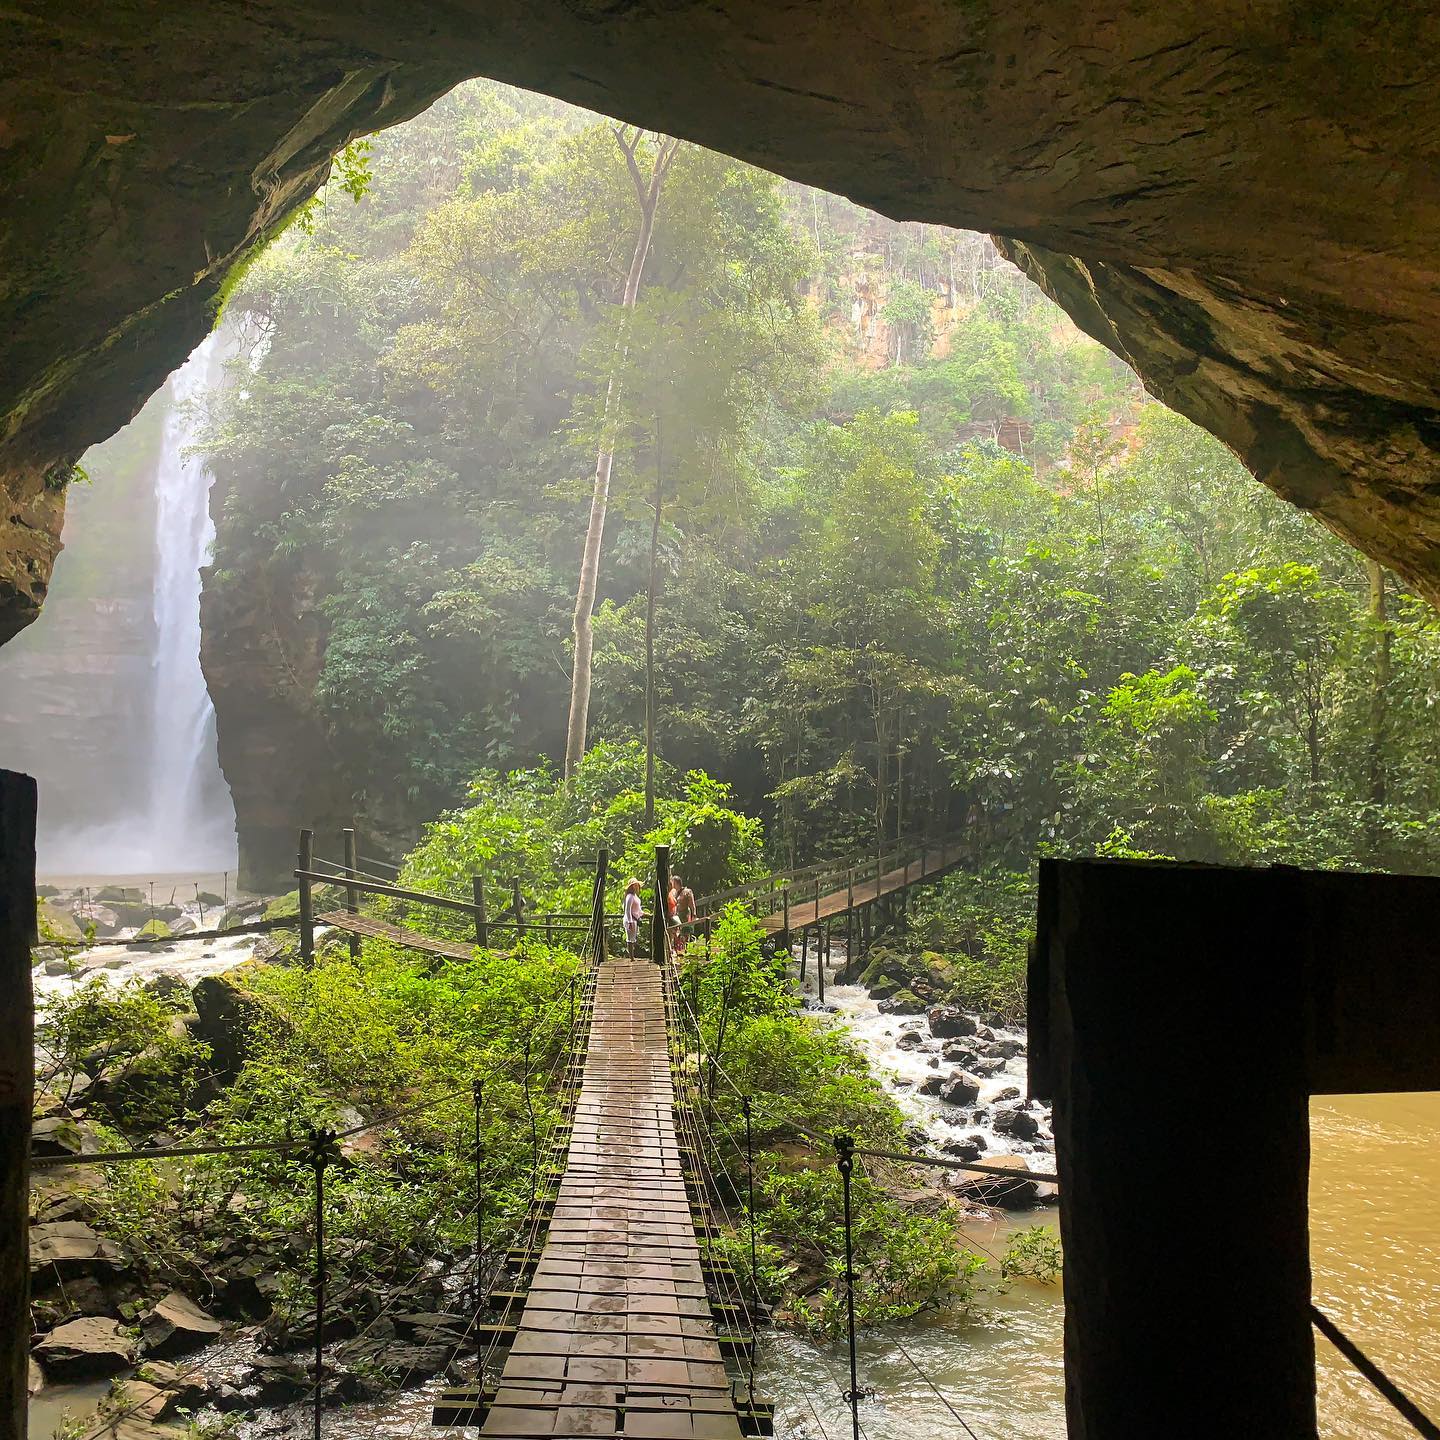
835, 873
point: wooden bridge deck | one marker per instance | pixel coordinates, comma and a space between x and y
617, 1337
838, 902
378, 929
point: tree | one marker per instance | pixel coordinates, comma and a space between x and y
647, 199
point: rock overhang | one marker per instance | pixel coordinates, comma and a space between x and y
1242, 202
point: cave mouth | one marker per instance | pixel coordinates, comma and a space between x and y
1126, 154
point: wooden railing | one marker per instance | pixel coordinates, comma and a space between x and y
349, 878
792, 893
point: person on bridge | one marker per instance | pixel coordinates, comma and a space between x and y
632, 912
682, 912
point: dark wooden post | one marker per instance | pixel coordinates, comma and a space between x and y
1124, 966
306, 862
352, 895
817, 897
549, 929
804, 954
17, 1090
482, 925
819, 966
517, 900
850, 957
785, 913
660, 919
602, 879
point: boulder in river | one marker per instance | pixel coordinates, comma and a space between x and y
84, 1348
909, 1040
1005, 1048
176, 1326
949, 1021
960, 1054
972, 1147
1017, 1122
960, 1089
1010, 1092
902, 1002
1008, 1194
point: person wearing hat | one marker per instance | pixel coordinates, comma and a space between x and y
632, 912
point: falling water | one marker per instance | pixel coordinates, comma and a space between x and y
190, 822
103, 699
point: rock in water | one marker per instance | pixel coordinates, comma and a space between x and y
84, 1348
948, 1021
1017, 1122
1017, 1194
177, 1325
960, 1089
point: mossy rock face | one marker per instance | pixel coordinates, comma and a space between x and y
209, 897
283, 907
153, 930
120, 895
56, 924
227, 1011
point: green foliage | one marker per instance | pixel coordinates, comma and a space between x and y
805, 1078
1033, 1254
529, 824
127, 1040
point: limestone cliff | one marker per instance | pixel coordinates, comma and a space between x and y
1241, 199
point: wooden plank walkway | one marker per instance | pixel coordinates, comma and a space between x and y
827, 907
617, 1337
378, 929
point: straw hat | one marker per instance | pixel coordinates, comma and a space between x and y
632, 885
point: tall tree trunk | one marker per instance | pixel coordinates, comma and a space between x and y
647, 196
650, 631
1379, 696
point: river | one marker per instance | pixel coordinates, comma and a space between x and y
1375, 1233
1375, 1255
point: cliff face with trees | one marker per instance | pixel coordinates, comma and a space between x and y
901, 547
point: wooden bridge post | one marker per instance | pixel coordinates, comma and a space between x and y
306, 861
482, 926
817, 898
819, 966
804, 950
518, 900
785, 911
352, 895
850, 944
602, 877
17, 1089
660, 920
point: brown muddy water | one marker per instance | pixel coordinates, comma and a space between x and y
1375, 1243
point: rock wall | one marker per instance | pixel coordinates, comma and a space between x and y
262, 646
75, 688
1241, 199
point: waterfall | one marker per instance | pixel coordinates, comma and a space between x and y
190, 821
102, 699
